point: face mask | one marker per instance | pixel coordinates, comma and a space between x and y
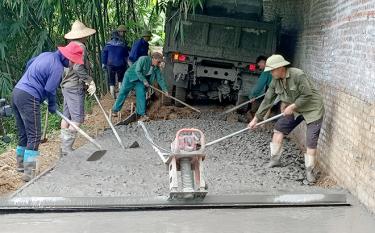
65, 62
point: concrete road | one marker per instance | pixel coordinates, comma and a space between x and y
266, 220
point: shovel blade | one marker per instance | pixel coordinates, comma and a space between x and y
96, 155
135, 144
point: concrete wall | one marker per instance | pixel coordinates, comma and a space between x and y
335, 46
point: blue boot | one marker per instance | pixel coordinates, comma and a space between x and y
29, 164
20, 150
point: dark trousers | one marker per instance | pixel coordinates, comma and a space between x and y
113, 71
26, 110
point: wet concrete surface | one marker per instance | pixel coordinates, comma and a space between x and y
234, 166
270, 220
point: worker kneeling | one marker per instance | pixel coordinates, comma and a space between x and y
139, 76
302, 101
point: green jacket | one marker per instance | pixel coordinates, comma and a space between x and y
295, 88
263, 81
142, 68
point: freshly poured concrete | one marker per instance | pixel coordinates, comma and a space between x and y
285, 220
234, 166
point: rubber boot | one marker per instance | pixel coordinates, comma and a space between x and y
29, 164
67, 140
114, 114
276, 150
20, 151
112, 91
144, 118
310, 161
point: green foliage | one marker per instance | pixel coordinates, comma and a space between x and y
39, 25
29, 27
7, 146
89, 101
9, 124
6, 84
184, 7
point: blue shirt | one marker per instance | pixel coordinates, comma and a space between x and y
263, 81
43, 76
139, 49
115, 53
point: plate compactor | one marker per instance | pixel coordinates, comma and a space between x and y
185, 165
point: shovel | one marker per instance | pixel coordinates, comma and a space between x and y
187, 105
44, 135
109, 122
97, 154
241, 105
245, 129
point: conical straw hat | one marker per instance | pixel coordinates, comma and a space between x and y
79, 30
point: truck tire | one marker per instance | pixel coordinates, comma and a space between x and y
181, 95
240, 100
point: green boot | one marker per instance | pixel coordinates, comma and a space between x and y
29, 164
20, 150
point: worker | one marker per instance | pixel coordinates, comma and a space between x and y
139, 76
73, 86
303, 103
261, 85
115, 58
39, 82
140, 47
121, 31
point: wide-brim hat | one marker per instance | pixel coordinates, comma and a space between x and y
79, 30
275, 61
73, 52
121, 28
146, 33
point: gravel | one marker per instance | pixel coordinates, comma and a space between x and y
233, 166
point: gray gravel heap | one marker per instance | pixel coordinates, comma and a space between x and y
234, 166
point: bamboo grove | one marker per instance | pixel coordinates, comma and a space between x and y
29, 27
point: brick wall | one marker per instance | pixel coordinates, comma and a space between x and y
335, 46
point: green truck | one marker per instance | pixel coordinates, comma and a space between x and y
215, 58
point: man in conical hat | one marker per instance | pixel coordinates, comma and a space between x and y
73, 86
